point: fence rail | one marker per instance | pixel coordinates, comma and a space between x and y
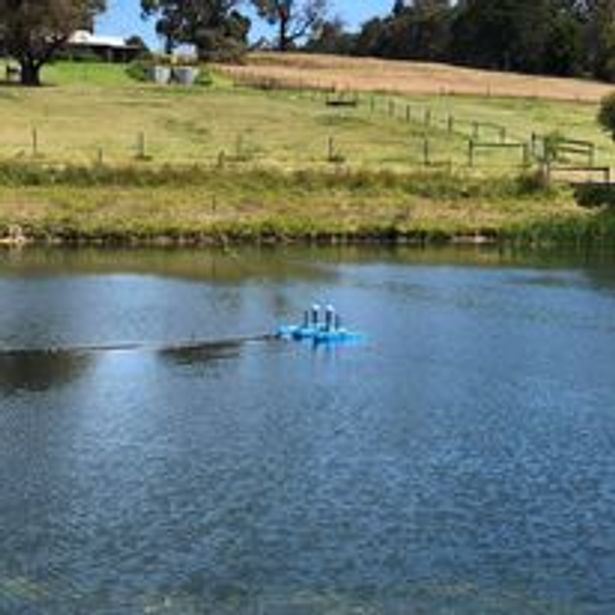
442, 137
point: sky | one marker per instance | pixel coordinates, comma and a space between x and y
123, 18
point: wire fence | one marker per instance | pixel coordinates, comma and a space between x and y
403, 134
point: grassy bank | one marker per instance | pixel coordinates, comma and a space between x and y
204, 205
95, 156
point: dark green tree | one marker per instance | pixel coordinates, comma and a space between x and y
421, 31
558, 37
213, 26
417, 30
563, 53
293, 18
606, 114
513, 34
600, 38
398, 8
372, 39
33, 31
225, 41
330, 37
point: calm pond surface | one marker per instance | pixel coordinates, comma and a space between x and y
462, 460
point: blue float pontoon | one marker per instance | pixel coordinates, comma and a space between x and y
327, 331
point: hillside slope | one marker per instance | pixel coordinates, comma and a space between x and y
368, 74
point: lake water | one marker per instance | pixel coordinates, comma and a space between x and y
153, 459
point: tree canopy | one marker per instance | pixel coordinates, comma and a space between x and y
558, 37
294, 18
213, 26
32, 31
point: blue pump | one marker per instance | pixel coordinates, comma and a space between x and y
329, 330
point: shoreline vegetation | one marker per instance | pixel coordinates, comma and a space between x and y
96, 158
210, 205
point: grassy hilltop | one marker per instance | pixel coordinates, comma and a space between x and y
97, 155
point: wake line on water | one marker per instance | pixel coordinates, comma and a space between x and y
154, 347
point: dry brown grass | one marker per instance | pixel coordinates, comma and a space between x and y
368, 74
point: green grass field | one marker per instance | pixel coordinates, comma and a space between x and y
249, 146
89, 108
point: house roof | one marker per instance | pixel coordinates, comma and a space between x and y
83, 37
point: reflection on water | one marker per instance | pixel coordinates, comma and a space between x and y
216, 265
458, 462
202, 353
39, 371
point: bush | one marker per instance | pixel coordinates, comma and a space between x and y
606, 114
531, 183
595, 195
139, 70
204, 78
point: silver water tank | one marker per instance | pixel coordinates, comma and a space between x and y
185, 75
161, 74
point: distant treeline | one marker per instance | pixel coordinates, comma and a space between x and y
555, 37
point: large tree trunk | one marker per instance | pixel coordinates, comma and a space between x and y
30, 72
284, 42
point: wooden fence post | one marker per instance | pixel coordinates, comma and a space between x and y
533, 143
503, 134
471, 153
141, 152
408, 113
450, 124
426, 153
34, 142
427, 118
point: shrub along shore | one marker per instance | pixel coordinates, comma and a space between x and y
195, 205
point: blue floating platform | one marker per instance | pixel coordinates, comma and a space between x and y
319, 334
296, 332
337, 336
